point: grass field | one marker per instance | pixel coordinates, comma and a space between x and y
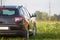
45, 31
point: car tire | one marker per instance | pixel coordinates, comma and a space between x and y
22, 33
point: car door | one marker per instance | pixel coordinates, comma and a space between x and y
28, 18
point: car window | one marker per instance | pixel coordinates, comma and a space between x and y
26, 12
21, 12
8, 12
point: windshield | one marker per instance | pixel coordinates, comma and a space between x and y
8, 12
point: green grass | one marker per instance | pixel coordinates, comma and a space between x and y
45, 31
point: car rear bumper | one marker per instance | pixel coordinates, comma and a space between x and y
7, 32
11, 24
14, 30
13, 33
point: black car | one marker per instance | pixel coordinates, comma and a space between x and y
15, 20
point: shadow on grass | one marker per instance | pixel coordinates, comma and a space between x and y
11, 38
39, 36
46, 36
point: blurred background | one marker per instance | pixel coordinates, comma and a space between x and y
47, 17
46, 9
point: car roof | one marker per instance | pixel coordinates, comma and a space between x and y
11, 6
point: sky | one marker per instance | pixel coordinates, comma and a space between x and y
34, 5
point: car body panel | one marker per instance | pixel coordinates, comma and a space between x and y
9, 21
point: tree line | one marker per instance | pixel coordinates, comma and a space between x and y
43, 16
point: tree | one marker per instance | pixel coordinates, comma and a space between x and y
38, 15
45, 16
42, 16
58, 17
54, 17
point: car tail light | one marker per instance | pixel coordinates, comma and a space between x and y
18, 19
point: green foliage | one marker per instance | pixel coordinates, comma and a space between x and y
38, 15
43, 16
54, 18
45, 31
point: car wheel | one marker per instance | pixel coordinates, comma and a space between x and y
22, 33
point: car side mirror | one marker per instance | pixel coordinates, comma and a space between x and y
33, 15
